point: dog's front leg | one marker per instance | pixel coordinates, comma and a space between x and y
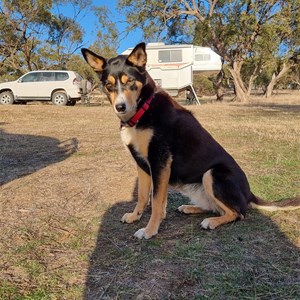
144, 185
160, 189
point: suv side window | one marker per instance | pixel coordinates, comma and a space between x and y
61, 76
31, 77
47, 76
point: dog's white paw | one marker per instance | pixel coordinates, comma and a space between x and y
182, 209
144, 233
130, 218
140, 233
208, 223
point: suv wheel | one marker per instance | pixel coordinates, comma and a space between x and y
59, 98
6, 98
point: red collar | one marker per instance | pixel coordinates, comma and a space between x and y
138, 114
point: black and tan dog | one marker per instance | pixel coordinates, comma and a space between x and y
170, 147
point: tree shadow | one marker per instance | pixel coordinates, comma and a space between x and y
250, 259
21, 155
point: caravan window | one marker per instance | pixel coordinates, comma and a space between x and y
170, 56
202, 57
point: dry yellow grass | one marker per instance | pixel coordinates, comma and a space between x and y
67, 179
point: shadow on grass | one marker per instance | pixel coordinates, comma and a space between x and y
21, 155
252, 259
276, 107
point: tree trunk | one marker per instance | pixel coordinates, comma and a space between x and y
270, 86
240, 94
219, 86
251, 80
250, 85
239, 87
275, 79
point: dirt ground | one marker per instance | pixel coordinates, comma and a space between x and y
66, 178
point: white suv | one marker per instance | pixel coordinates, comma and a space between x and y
61, 87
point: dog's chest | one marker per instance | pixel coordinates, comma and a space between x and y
137, 138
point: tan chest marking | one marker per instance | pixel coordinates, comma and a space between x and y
140, 139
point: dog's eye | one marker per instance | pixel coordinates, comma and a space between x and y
130, 82
110, 87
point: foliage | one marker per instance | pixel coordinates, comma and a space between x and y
105, 44
239, 31
79, 65
35, 35
108, 36
258, 40
204, 85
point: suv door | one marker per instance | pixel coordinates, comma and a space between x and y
25, 87
46, 84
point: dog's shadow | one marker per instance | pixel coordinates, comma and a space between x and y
22, 155
250, 259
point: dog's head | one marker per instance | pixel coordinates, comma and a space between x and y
123, 78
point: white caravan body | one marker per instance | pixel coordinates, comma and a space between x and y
173, 66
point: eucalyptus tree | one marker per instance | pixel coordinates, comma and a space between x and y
287, 55
22, 24
35, 34
231, 28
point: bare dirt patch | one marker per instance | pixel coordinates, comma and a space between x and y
66, 180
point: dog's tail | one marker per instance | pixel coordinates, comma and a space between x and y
286, 204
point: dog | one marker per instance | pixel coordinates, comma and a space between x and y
171, 148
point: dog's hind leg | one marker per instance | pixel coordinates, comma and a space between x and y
159, 202
227, 214
144, 186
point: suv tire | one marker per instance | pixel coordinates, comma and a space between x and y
6, 98
59, 98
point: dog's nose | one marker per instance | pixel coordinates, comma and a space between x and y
121, 107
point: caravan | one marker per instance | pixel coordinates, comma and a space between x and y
173, 66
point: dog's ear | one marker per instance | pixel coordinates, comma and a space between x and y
97, 62
138, 56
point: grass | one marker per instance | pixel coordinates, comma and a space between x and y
67, 180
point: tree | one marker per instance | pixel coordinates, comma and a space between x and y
288, 52
34, 36
77, 64
105, 44
231, 28
295, 77
22, 23
65, 38
108, 36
